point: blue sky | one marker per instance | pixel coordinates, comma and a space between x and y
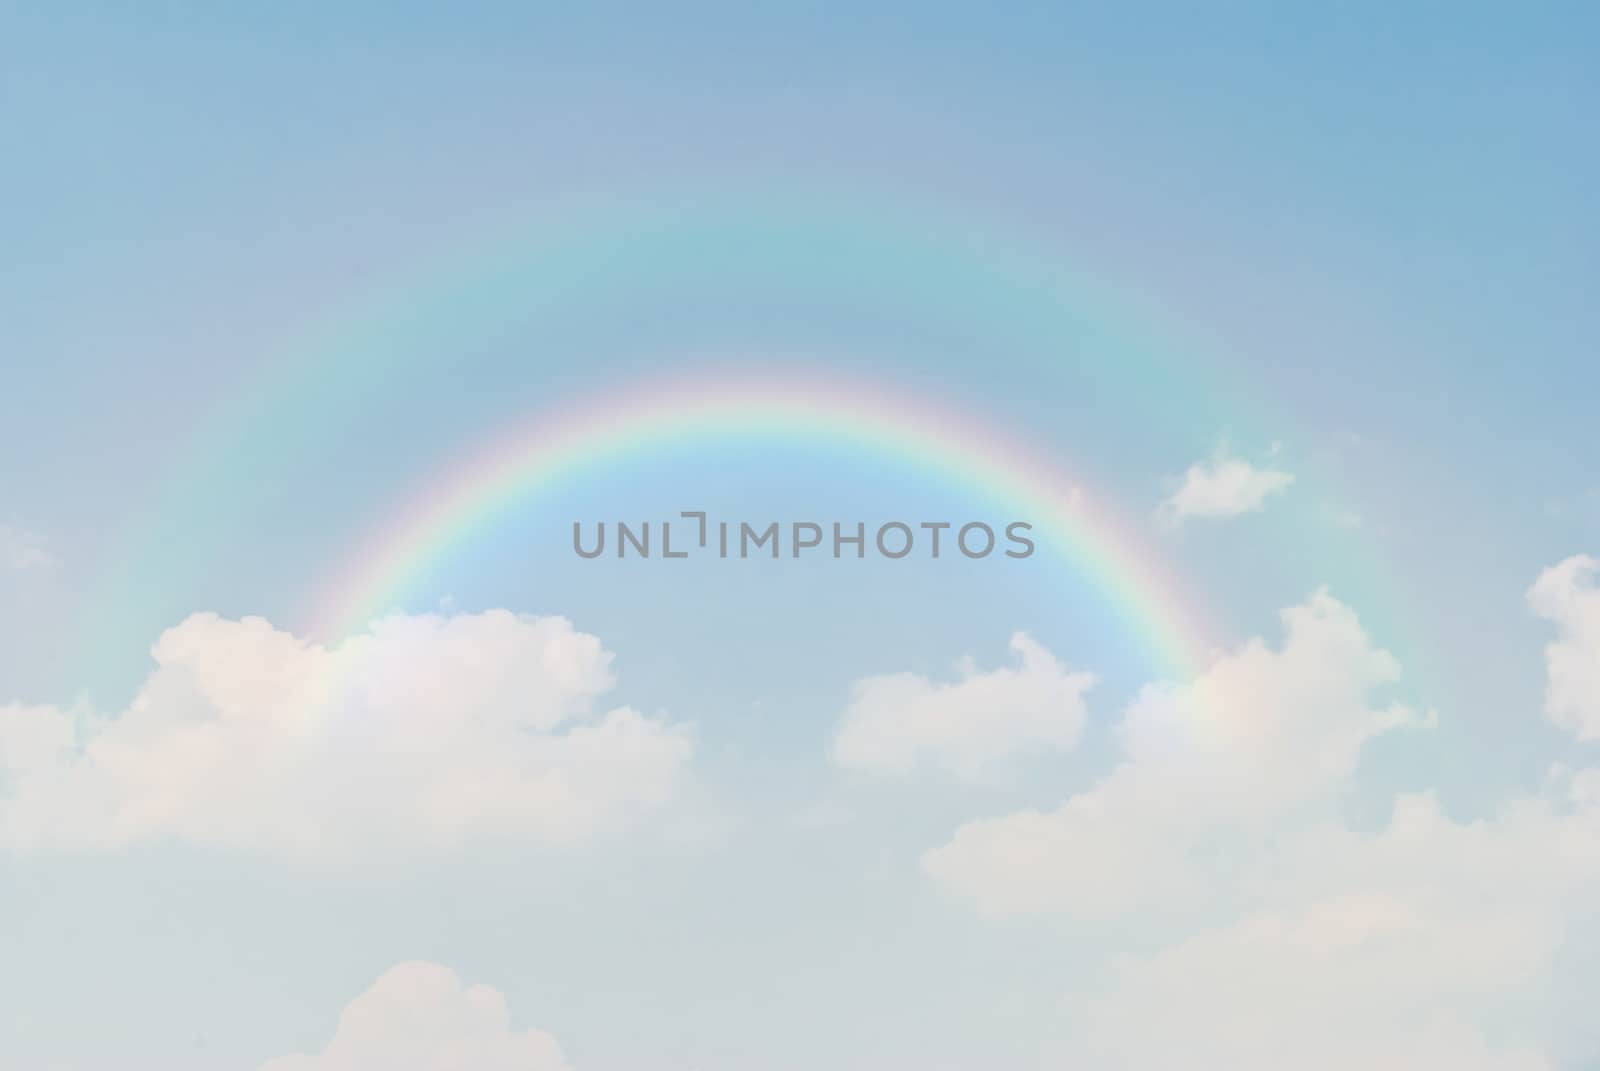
264, 270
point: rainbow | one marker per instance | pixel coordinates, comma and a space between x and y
518, 462
547, 278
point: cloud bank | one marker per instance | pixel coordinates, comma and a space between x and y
1271, 933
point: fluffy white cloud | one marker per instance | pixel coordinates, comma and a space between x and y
1566, 594
407, 740
1224, 486
898, 720
420, 1017
22, 551
1261, 733
1271, 934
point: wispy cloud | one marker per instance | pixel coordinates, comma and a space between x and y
23, 551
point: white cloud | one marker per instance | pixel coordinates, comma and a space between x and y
1270, 933
420, 1017
1224, 486
1566, 594
898, 720
22, 551
426, 732
1260, 734
1360, 981
1431, 943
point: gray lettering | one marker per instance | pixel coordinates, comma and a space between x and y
600, 540
699, 515
666, 542
988, 532
1011, 534
903, 550
625, 536
860, 539
806, 544
769, 532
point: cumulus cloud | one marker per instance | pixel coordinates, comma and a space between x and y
1261, 733
1567, 595
897, 721
1224, 486
22, 551
407, 740
420, 1017
1428, 942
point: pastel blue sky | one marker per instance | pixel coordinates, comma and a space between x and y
1307, 292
